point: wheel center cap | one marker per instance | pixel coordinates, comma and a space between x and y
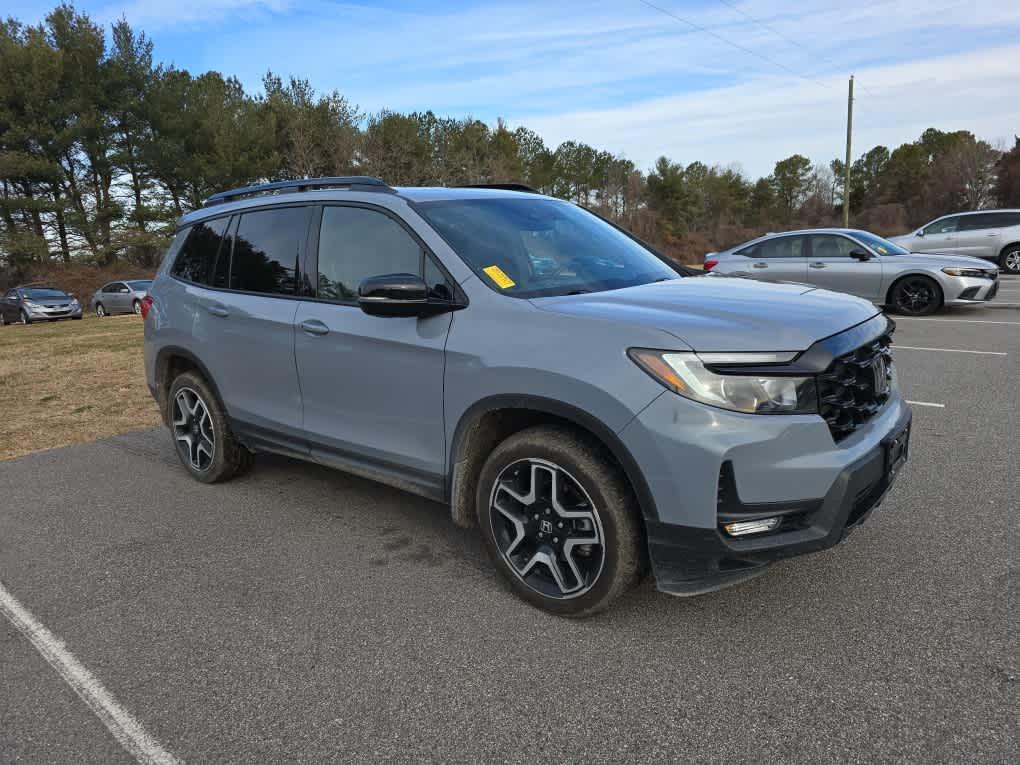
546, 527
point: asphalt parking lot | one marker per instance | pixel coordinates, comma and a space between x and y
303, 614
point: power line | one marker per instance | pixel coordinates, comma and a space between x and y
732, 44
773, 30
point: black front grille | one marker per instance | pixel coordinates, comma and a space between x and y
855, 386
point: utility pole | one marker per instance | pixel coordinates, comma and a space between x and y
846, 167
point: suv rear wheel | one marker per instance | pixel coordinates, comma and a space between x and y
1010, 259
560, 521
203, 440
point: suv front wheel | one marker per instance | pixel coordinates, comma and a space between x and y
560, 521
203, 440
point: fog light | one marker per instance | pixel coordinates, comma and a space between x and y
751, 527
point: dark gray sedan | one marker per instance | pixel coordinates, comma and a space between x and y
120, 297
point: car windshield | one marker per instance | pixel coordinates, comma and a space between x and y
42, 293
537, 247
880, 245
140, 286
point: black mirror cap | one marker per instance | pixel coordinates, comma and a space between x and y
860, 254
395, 295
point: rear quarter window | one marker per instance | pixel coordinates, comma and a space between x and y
194, 263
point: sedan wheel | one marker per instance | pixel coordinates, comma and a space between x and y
100, 310
137, 306
24, 317
916, 296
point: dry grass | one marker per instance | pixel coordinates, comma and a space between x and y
71, 382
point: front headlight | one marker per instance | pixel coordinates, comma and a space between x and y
977, 273
685, 374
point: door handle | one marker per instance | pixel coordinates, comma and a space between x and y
314, 327
761, 265
218, 310
992, 234
816, 264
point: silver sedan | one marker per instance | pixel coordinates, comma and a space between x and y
120, 297
862, 264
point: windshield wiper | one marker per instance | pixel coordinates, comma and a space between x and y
578, 292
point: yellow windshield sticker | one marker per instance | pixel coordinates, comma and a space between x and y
502, 280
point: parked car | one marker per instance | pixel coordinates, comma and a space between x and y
120, 297
594, 419
36, 302
862, 264
990, 234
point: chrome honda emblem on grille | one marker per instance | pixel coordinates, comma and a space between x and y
880, 371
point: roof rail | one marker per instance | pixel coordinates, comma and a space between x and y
353, 182
505, 186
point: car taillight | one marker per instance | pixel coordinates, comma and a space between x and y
710, 264
146, 305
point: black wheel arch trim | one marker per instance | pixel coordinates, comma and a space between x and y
162, 386
562, 410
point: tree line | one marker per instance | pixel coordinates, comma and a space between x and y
101, 149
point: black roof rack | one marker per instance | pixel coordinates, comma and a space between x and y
353, 182
505, 186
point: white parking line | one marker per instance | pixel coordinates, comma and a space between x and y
926, 403
959, 321
125, 728
948, 350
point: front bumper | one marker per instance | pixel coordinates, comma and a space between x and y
966, 290
38, 314
765, 468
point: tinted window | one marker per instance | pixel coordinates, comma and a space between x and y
43, 293
1008, 219
944, 226
979, 221
440, 287
532, 246
831, 246
196, 258
780, 247
266, 250
356, 243
880, 245
221, 269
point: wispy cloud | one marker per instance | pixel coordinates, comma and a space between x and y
623, 76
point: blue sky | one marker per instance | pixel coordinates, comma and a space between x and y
621, 75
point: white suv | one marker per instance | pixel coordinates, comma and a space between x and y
990, 234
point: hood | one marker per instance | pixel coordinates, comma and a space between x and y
940, 261
724, 314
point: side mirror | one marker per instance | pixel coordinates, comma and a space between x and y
396, 295
919, 232
123, 290
861, 255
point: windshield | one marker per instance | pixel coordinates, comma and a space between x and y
140, 286
535, 247
42, 293
880, 245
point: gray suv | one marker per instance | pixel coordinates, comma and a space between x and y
542, 372
990, 234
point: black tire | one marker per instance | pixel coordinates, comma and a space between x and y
915, 295
76, 318
1009, 260
585, 472
25, 319
136, 306
3, 319
229, 458
101, 310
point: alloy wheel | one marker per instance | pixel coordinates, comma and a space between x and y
24, 318
100, 310
915, 296
1012, 262
547, 528
137, 308
194, 434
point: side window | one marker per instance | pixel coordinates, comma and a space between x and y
782, 247
197, 255
440, 287
754, 251
1008, 219
221, 269
978, 222
830, 246
944, 226
356, 243
266, 250
11, 295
